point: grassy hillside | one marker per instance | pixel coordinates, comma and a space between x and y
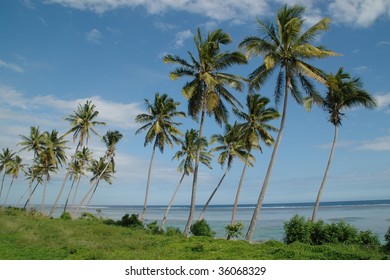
30, 236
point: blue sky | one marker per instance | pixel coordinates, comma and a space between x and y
56, 54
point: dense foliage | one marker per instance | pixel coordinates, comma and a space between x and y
300, 229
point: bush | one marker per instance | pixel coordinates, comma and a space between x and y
171, 231
387, 239
130, 221
66, 216
154, 228
368, 238
234, 230
201, 228
88, 216
297, 229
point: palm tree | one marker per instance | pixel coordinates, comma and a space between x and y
161, 129
34, 142
104, 168
189, 146
15, 166
6, 159
254, 129
51, 156
82, 160
33, 173
230, 146
208, 87
286, 48
82, 124
343, 93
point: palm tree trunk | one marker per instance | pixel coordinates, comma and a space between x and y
239, 189
148, 182
10, 186
212, 195
43, 194
259, 204
171, 202
75, 194
2, 183
70, 191
90, 198
195, 178
90, 189
20, 199
60, 193
313, 218
31, 194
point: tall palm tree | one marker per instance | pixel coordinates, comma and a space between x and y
231, 145
285, 47
104, 168
189, 146
51, 157
15, 166
254, 129
81, 164
6, 159
207, 88
82, 124
161, 129
343, 92
34, 172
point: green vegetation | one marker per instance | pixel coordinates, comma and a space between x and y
299, 229
31, 236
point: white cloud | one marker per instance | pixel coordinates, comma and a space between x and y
94, 36
378, 144
11, 66
181, 37
383, 100
359, 12
384, 43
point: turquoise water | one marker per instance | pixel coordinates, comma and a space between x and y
364, 215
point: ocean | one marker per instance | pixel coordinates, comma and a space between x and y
371, 215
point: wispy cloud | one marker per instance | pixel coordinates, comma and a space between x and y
383, 100
94, 36
360, 13
379, 144
11, 66
384, 43
181, 37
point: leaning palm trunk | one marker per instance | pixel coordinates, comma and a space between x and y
93, 186
27, 203
239, 189
90, 198
43, 194
259, 204
313, 218
195, 178
75, 194
2, 183
60, 193
67, 198
212, 195
10, 186
172, 200
20, 199
148, 182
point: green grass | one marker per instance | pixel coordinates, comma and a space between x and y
29, 236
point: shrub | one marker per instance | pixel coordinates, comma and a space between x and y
154, 228
297, 229
368, 238
171, 231
234, 230
387, 239
341, 233
201, 228
318, 235
130, 221
88, 216
66, 216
